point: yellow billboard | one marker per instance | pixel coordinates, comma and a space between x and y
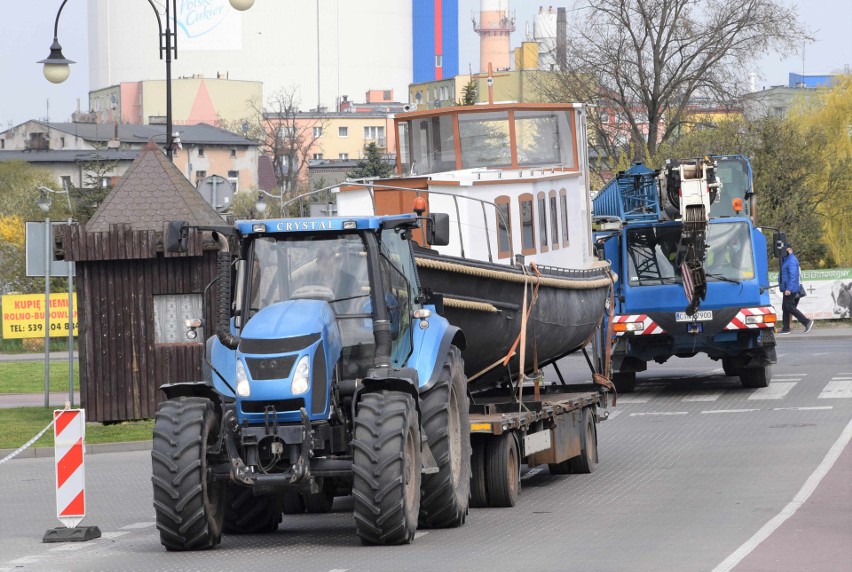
24, 316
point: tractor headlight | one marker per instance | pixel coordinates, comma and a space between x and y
301, 379
243, 387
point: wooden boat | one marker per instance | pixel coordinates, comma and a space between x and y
514, 180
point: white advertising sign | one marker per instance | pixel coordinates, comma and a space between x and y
208, 25
829, 293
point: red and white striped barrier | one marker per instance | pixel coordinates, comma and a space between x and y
753, 319
637, 324
69, 429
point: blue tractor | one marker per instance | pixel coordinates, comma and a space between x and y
330, 373
692, 266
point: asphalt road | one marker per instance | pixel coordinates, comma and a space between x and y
696, 473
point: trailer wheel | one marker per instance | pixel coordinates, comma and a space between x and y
292, 503
756, 377
502, 470
386, 467
625, 382
729, 368
249, 514
444, 496
478, 494
587, 460
189, 504
320, 503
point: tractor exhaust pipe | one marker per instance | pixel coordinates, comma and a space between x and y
223, 306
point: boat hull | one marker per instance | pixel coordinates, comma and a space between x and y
486, 300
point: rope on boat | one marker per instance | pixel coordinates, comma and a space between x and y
566, 283
469, 305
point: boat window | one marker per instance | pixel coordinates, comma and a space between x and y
525, 202
542, 221
484, 139
404, 154
563, 203
544, 138
504, 227
554, 218
432, 146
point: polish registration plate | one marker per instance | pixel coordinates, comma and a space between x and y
702, 316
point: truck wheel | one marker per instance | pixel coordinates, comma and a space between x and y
502, 470
444, 496
246, 513
478, 494
587, 460
729, 368
292, 503
386, 467
755, 377
189, 504
625, 382
320, 503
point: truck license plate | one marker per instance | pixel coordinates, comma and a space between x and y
703, 316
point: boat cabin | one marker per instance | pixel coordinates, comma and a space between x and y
513, 177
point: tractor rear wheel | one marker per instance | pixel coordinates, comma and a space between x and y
444, 496
189, 504
386, 466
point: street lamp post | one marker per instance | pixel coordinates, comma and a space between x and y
57, 70
260, 203
44, 201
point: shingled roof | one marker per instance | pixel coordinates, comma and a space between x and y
152, 192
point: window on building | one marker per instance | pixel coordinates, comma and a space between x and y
343, 132
201, 151
234, 179
62, 142
317, 132
343, 156
233, 152
317, 156
286, 132
387, 95
171, 312
2, 143
542, 222
200, 176
504, 227
375, 134
554, 221
66, 182
439, 61
563, 201
525, 204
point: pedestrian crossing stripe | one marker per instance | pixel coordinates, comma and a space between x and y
837, 389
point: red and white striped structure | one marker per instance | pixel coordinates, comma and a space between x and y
753, 318
69, 428
631, 325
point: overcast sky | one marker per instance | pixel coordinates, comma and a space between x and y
26, 32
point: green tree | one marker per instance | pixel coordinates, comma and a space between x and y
372, 165
470, 93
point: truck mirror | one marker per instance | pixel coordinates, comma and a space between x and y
176, 236
779, 238
438, 229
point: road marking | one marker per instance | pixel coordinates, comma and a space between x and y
819, 408
776, 390
796, 375
704, 396
420, 533
345, 569
801, 497
837, 389
629, 400
67, 548
613, 414
728, 411
24, 560
649, 413
109, 535
138, 525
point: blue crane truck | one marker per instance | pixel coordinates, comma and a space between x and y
689, 282
332, 372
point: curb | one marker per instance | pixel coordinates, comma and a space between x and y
93, 449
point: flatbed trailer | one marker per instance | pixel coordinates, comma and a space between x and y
558, 429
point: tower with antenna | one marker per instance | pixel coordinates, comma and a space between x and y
494, 27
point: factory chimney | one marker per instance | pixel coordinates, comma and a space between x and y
494, 27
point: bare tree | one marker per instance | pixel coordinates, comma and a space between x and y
642, 64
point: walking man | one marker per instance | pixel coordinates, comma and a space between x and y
789, 285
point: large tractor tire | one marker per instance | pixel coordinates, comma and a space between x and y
444, 496
249, 514
756, 377
502, 470
587, 460
386, 467
189, 505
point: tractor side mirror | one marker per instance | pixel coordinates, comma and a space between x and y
438, 229
177, 234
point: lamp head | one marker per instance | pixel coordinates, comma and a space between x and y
44, 200
260, 203
56, 66
242, 5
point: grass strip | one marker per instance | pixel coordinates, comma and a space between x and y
28, 376
19, 425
